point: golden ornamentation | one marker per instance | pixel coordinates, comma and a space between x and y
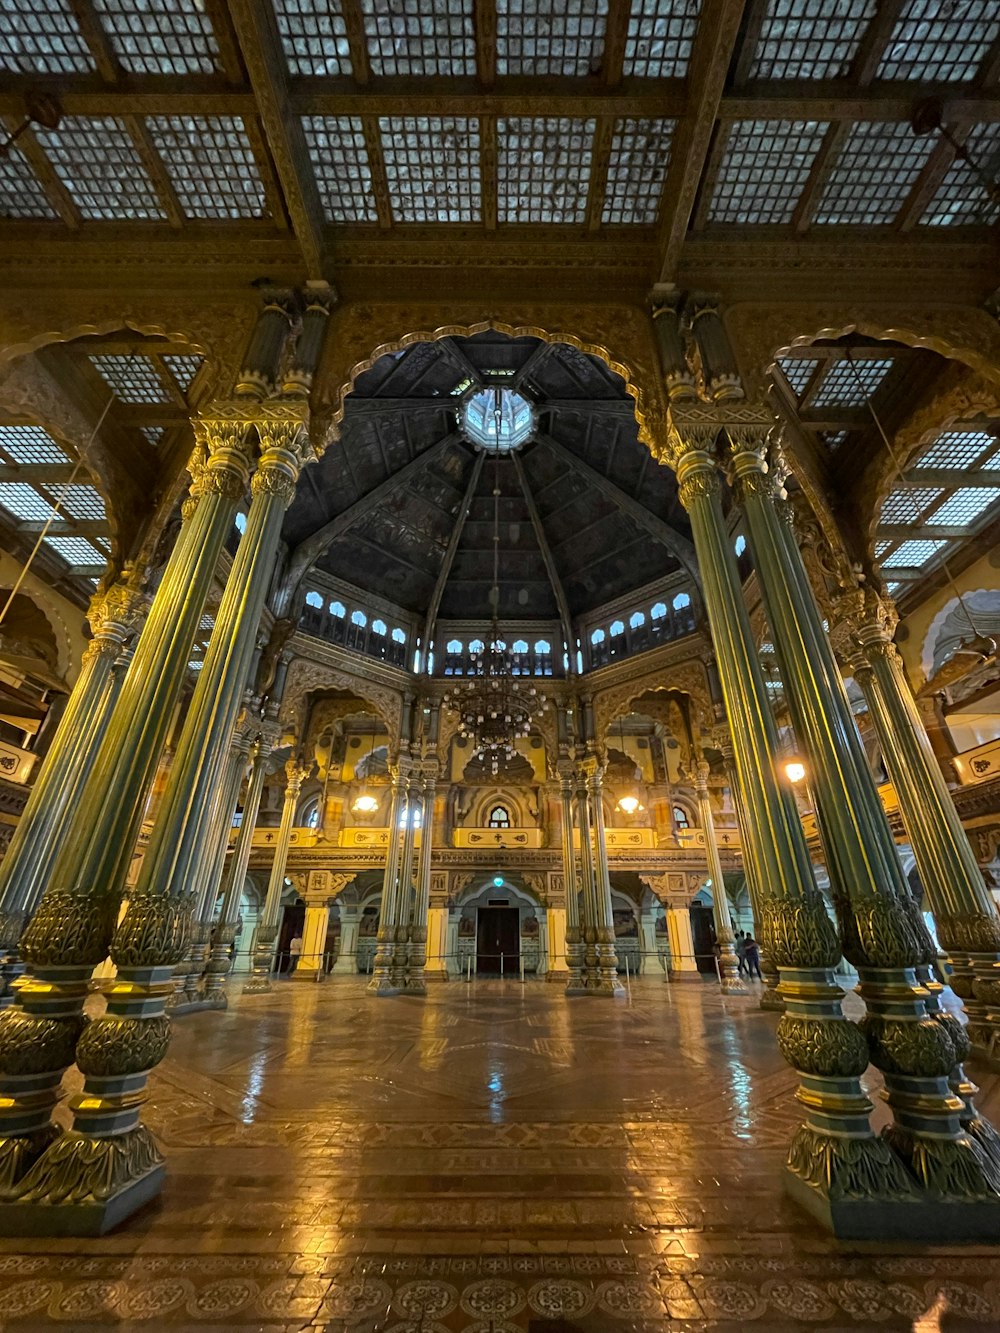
955, 1169
969, 932
879, 933
830, 1047
919, 1047
849, 1168
799, 933
115, 1047
69, 929
155, 930
78, 1169
33, 1044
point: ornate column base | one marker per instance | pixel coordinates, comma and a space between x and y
259, 980
732, 983
770, 997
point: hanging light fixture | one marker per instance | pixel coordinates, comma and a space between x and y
365, 803
495, 710
629, 804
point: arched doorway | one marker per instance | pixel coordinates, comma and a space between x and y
499, 929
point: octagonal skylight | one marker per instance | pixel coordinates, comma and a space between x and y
498, 421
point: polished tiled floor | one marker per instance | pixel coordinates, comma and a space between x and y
491, 1159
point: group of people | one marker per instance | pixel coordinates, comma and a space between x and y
747, 954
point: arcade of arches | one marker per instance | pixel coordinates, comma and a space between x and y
287, 950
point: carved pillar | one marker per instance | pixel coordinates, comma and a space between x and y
418, 931
884, 933
220, 963
73, 926
347, 958
574, 938
41, 831
722, 378
382, 979
728, 962
605, 981
588, 884
267, 926
677, 374
835, 1153
405, 903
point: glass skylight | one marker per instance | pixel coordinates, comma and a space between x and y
432, 168
420, 37
764, 167
962, 198
183, 369
810, 39
848, 382
637, 169
24, 502
42, 37
660, 34
166, 37
83, 502
966, 505
340, 162
98, 163
30, 444
314, 35
560, 37
76, 551
914, 553
478, 418
210, 164
798, 371
134, 378
908, 504
544, 169
833, 439
873, 174
154, 434
958, 449
21, 196
940, 41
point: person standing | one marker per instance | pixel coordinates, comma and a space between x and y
751, 956
295, 952
741, 953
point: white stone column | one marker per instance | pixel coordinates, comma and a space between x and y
647, 943
729, 964
314, 929
347, 958
683, 964
436, 967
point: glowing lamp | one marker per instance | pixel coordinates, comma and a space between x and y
365, 804
628, 805
795, 770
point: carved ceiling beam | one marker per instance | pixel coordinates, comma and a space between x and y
706, 190
225, 39
940, 476
274, 200
97, 40
357, 43
678, 545
488, 181
819, 174
718, 32
533, 364
430, 621
876, 38
928, 531
600, 161
155, 170
376, 167
565, 617
588, 407
55, 192
67, 527
753, 22
42, 473
485, 18
367, 407
930, 180
87, 571
458, 359
816, 100
615, 34
256, 30
308, 552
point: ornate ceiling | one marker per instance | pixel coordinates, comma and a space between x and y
695, 141
401, 505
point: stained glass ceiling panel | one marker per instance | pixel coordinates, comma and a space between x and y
560, 37
967, 505
848, 382
98, 163
798, 371
134, 378
24, 502
183, 369
637, 169
21, 196
660, 34
962, 197
544, 169
908, 504
764, 167
810, 39
432, 168
211, 165
420, 37
958, 449
30, 444
83, 502
873, 174
314, 36
42, 37
936, 42
343, 173
913, 553
76, 551
165, 37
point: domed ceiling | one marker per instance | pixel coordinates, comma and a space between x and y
403, 503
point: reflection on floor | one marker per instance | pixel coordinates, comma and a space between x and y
493, 1158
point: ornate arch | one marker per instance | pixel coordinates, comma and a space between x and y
481, 806
305, 676
688, 678
361, 334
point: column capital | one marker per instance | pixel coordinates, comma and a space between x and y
296, 773
116, 613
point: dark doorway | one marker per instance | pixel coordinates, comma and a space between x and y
498, 941
703, 934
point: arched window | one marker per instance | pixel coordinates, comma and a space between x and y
378, 626
658, 611
314, 599
453, 646
309, 813
598, 636
616, 627
543, 646
476, 646
636, 620
398, 635
680, 817
740, 545
519, 646
682, 600
499, 817
416, 815
337, 609
241, 523
359, 618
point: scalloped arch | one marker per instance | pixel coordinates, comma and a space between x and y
100, 328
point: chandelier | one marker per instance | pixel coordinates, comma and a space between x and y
494, 708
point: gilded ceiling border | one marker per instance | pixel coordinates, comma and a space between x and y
619, 335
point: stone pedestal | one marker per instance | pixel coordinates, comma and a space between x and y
436, 967
317, 923
682, 961
347, 959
